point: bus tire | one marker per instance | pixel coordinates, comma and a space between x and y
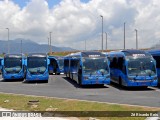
45, 81
79, 81
120, 81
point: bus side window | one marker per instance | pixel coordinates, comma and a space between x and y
157, 58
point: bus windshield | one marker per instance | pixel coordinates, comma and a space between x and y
12, 65
37, 64
94, 66
141, 66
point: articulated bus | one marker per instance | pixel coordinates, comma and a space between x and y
13, 66
132, 68
56, 65
156, 55
87, 68
37, 67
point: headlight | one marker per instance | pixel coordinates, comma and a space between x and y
131, 79
86, 78
107, 76
155, 78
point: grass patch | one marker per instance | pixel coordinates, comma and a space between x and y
19, 102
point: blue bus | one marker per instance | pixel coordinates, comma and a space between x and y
56, 65
37, 67
156, 55
88, 67
13, 66
1, 65
133, 68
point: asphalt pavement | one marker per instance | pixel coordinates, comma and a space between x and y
62, 87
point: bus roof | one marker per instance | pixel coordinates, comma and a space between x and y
56, 57
154, 52
129, 52
133, 51
88, 54
37, 55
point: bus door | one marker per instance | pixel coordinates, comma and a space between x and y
122, 68
114, 68
74, 69
66, 66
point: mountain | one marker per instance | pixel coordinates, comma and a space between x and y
28, 46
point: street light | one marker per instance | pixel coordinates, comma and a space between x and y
124, 35
106, 40
136, 39
85, 45
102, 32
8, 39
21, 46
50, 42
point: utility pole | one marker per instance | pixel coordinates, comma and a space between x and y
8, 39
106, 40
102, 31
136, 38
21, 46
85, 45
124, 35
50, 42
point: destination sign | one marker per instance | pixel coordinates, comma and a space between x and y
15, 56
93, 56
138, 55
37, 55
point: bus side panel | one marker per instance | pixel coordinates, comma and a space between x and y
50, 69
158, 75
115, 75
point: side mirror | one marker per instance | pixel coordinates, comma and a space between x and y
2, 62
25, 62
48, 61
108, 63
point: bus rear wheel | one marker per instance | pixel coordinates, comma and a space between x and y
120, 81
79, 81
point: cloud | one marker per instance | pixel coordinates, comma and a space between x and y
72, 22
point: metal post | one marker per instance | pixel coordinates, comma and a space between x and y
102, 32
136, 39
85, 45
124, 35
21, 46
106, 40
50, 43
8, 39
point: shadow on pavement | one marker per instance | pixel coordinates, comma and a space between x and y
76, 85
142, 88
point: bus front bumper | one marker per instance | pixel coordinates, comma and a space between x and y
36, 77
95, 80
149, 83
13, 76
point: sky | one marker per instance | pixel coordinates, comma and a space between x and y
72, 22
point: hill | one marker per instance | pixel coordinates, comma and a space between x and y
28, 46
